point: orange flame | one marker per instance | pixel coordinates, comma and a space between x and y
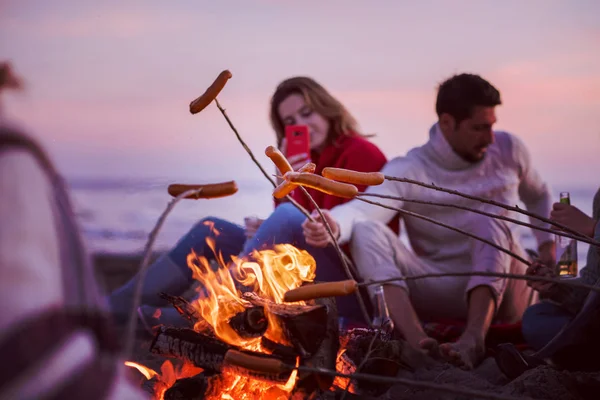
270, 274
168, 375
274, 273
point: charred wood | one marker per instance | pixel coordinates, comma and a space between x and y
304, 326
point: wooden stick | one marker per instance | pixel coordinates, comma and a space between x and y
245, 146
141, 276
469, 393
335, 244
492, 215
433, 221
566, 282
483, 200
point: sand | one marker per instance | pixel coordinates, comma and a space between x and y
541, 383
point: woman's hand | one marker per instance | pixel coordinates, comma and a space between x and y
315, 232
572, 217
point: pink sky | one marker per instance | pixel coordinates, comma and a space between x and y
109, 82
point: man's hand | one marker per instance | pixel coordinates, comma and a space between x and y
539, 269
572, 217
547, 253
315, 233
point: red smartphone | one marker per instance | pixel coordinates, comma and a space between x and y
298, 140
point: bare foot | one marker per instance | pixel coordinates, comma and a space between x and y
466, 353
430, 347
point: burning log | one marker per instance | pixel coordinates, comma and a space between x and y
325, 356
305, 326
251, 322
210, 353
193, 388
203, 351
248, 323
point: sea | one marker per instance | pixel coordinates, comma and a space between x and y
117, 215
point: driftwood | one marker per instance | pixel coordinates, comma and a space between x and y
304, 326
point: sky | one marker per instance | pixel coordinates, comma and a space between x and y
109, 82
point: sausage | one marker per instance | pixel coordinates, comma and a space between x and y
322, 184
283, 189
308, 168
318, 290
254, 363
211, 93
354, 177
286, 187
209, 191
278, 159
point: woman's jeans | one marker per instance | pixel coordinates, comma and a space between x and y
284, 225
544, 320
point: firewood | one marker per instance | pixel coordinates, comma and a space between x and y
192, 388
248, 323
202, 350
304, 326
325, 356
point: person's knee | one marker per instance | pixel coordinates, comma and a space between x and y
368, 231
541, 322
288, 216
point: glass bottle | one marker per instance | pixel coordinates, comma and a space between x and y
381, 314
566, 249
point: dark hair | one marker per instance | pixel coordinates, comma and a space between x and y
320, 100
459, 94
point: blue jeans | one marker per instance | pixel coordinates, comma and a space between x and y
542, 321
284, 225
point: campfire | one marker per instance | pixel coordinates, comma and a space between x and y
244, 340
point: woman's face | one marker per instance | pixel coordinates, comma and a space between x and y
294, 111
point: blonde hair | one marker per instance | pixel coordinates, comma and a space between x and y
341, 122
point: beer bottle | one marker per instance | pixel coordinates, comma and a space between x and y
566, 249
381, 314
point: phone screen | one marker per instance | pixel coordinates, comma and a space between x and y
298, 140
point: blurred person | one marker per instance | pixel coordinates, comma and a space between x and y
463, 153
335, 141
560, 304
56, 336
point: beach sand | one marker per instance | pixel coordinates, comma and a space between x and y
540, 383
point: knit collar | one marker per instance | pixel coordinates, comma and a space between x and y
441, 151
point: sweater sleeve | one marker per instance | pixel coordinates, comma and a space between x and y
346, 215
533, 190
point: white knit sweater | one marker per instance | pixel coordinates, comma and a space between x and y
506, 174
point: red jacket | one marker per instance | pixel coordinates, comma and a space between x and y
349, 152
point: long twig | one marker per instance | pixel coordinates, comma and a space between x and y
484, 200
470, 393
245, 146
567, 282
335, 244
492, 215
433, 221
141, 275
